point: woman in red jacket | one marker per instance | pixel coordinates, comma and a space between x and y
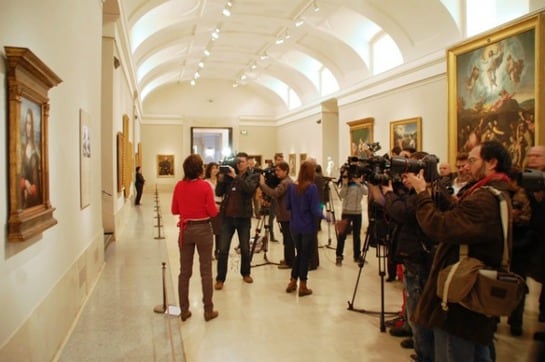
193, 200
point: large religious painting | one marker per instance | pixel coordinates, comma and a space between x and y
28, 83
361, 135
494, 92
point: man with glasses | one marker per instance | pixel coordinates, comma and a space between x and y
278, 194
237, 189
460, 334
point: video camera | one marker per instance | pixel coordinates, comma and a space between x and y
227, 162
271, 179
379, 170
532, 180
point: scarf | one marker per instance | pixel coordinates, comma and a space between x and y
496, 176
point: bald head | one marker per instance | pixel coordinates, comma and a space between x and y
444, 169
535, 159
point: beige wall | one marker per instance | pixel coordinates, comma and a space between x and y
44, 282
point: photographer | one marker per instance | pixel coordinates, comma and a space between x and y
460, 334
351, 194
278, 193
237, 190
413, 249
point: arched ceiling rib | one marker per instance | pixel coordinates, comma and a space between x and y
171, 36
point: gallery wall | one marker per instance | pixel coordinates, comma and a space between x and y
44, 281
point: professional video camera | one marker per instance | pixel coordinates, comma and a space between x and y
271, 179
379, 170
227, 162
532, 180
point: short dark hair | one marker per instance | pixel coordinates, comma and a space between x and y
462, 156
193, 166
396, 150
283, 165
243, 154
494, 150
137, 168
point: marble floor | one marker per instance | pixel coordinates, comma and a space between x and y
257, 322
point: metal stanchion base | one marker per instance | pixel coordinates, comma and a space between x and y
172, 310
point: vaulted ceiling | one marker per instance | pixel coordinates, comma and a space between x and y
170, 41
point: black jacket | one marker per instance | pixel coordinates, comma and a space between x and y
237, 194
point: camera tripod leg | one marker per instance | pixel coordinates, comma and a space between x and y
381, 265
264, 240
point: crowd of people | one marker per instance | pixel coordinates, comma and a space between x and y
429, 219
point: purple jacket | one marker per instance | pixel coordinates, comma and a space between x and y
305, 209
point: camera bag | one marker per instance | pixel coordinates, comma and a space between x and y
479, 288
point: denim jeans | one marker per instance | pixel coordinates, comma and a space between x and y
289, 247
242, 227
302, 243
414, 279
355, 220
449, 348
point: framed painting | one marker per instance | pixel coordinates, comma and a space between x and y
302, 158
120, 140
292, 163
494, 90
406, 133
361, 134
84, 159
28, 83
165, 165
258, 159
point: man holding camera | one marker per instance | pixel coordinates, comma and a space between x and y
460, 334
414, 250
237, 190
278, 194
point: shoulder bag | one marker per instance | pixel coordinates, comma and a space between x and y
482, 289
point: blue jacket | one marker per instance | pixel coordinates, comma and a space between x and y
305, 209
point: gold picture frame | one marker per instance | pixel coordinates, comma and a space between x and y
361, 134
28, 83
495, 89
292, 162
406, 133
120, 143
165, 166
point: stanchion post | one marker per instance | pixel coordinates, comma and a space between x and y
161, 308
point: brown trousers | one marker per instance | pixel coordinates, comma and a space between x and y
200, 236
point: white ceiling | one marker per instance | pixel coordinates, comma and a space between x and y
167, 40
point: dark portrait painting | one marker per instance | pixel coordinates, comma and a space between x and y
30, 166
495, 94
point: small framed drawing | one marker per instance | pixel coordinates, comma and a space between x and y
292, 164
165, 165
406, 133
302, 158
84, 159
28, 82
361, 134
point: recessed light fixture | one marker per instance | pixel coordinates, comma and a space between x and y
316, 7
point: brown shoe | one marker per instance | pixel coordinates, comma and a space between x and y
218, 285
248, 279
292, 286
303, 290
210, 315
185, 315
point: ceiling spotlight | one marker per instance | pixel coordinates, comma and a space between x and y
207, 52
264, 56
279, 41
215, 35
197, 75
316, 7
201, 65
235, 84
192, 82
287, 35
243, 77
299, 22
253, 66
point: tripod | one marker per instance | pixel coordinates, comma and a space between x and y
381, 257
263, 240
330, 209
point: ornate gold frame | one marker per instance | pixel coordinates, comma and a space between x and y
28, 81
360, 131
410, 125
484, 87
